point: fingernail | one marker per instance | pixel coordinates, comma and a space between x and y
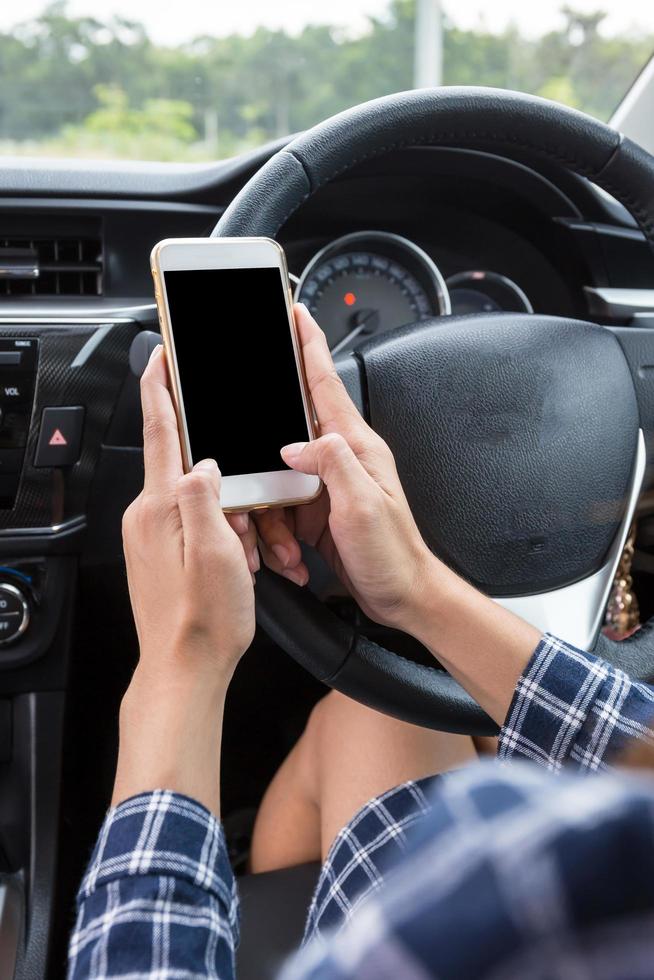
282, 554
154, 352
210, 465
255, 562
293, 450
304, 308
297, 575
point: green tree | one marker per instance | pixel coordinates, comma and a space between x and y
101, 86
159, 126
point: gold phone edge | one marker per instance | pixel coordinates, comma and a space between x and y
173, 372
171, 358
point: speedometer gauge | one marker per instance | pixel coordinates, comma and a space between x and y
370, 282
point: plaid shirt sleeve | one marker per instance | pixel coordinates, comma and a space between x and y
515, 872
570, 708
159, 897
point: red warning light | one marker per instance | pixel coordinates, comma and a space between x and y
349, 299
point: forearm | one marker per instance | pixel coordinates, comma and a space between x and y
161, 854
481, 644
170, 736
557, 705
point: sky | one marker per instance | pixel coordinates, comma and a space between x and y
172, 22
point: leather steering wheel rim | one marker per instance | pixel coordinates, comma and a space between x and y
476, 118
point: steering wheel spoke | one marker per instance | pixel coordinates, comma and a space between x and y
576, 611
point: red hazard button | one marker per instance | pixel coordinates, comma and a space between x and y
60, 438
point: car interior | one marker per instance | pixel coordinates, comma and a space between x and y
482, 265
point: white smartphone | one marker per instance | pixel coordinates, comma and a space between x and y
235, 364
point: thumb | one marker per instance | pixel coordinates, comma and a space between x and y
330, 458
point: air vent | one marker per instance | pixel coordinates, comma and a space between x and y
61, 266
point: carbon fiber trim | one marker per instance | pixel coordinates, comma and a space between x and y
48, 497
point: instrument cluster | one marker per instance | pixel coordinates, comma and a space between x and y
370, 282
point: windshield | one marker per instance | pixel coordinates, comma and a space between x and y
192, 81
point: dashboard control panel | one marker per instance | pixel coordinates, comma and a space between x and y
18, 363
34, 596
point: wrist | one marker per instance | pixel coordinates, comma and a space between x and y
482, 645
180, 686
184, 669
170, 735
429, 600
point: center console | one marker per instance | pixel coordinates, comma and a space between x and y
69, 463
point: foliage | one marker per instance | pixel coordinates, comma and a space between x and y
86, 86
115, 128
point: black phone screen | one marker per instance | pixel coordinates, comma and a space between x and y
236, 365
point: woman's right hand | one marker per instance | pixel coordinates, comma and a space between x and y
361, 523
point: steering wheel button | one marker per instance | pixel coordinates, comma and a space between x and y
60, 438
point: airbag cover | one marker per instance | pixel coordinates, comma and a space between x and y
514, 436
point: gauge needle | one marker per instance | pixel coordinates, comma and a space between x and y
366, 321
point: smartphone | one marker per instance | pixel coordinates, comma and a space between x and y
235, 364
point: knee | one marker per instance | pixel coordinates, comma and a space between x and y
325, 727
333, 715
335, 726
314, 731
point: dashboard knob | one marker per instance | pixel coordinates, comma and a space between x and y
14, 612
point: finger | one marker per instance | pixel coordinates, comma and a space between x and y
331, 458
311, 521
277, 535
238, 522
247, 532
162, 452
299, 574
198, 499
251, 548
334, 407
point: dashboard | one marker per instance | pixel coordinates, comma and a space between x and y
421, 233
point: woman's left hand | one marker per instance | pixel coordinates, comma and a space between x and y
190, 571
190, 578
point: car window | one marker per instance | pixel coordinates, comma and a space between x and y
138, 79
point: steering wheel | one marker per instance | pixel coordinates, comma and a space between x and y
518, 438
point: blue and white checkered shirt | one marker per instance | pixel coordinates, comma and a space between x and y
505, 872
